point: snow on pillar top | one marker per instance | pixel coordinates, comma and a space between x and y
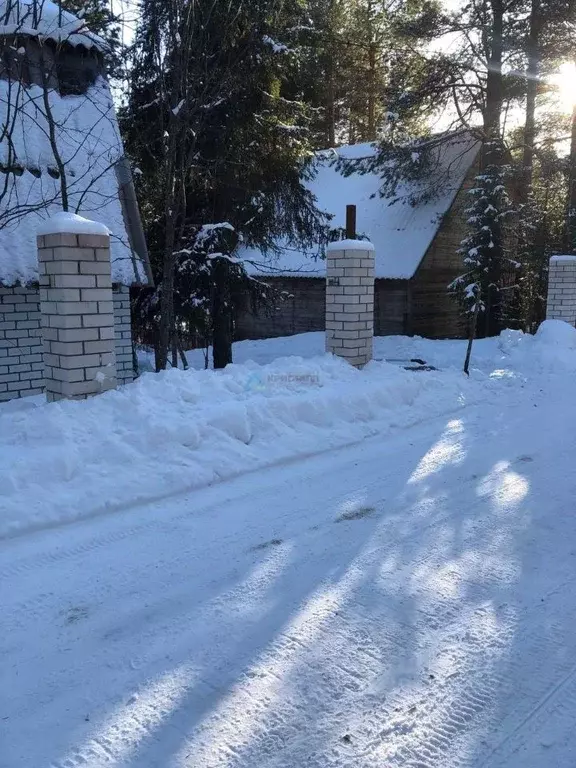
70, 223
560, 259
350, 245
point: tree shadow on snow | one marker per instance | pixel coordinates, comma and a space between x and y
434, 630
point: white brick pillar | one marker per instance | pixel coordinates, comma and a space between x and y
76, 307
561, 303
350, 300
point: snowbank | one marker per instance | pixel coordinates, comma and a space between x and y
177, 431
552, 350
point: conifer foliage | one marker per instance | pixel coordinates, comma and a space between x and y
228, 101
221, 147
484, 251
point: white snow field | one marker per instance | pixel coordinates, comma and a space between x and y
405, 600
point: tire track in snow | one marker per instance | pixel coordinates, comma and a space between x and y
553, 702
481, 699
107, 539
121, 735
446, 726
165, 526
444, 715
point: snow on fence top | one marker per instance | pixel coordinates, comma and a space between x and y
89, 143
401, 233
43, 18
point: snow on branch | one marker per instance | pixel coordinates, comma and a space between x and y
276, 47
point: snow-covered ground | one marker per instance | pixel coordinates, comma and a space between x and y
173, 432
447, 354
402, 596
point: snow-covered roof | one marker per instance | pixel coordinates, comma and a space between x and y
45, 19
400, 232
88, 140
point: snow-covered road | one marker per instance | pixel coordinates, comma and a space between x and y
408, 601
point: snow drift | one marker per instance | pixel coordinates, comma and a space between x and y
177, 431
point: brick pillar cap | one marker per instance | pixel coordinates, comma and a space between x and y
571, 259
350, 245
71, 224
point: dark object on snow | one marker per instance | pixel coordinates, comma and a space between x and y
405, 360
418, 365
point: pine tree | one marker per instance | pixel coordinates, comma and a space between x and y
317, 79
549, 41
347, 61
475, 82
484, 249
221, 148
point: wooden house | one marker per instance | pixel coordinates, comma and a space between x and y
416, 248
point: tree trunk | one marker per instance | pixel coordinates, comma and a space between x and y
330, 101
183, 357
471, 336
494, 86
570, 228
372, 95
167, 295
174, 351
157, 355
175, 89
526, 244
532, 74
221, 314
332, 71
491, 158
570, 237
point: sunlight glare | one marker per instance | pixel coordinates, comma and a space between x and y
448, 450
565, 86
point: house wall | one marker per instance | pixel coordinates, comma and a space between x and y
304, 309
301, 310
390, 307
21, 360
433, 312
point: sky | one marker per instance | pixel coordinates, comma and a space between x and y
128, 12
